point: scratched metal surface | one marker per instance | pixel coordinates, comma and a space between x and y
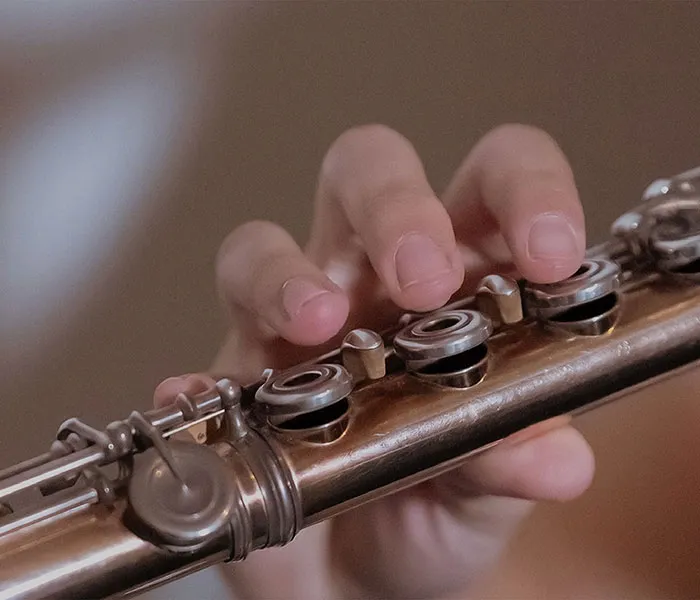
401, 425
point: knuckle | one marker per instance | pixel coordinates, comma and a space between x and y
255, 243
394, 212
354, 141
391, 201
508, 131
538, 153
252, 255
372, 165
366, 133
243, 237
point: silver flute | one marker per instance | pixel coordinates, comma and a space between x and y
214, 477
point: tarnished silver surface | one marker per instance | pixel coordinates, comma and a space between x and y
217, 476
460, 372
301, 390
364, 354
535, 374
441, 335
665, 228
61, 502
59, 468
687, 182
230, 395
186, 509
498, 297
675, 240
596, 278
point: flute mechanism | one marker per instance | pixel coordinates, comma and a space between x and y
236, 469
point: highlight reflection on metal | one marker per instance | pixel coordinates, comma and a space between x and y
587, 303
363, 354
111, 513
184, 509
446, 334
594, 279
301, 391
498, 297
666, 226
447, 349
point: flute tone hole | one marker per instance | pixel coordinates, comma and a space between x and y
440, 323
589, 310
458, 362
302, 379
690, 269
582, 270
317, 418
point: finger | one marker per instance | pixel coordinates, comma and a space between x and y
191, 384
373, 184
477, 506
261, 270
557, 465
517, 178
409, 546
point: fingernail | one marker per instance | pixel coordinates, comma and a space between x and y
297, 293
419, 260
552, 237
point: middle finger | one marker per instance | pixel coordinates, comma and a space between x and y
373, 184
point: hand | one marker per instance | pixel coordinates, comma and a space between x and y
382, 243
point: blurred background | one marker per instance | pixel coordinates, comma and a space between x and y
134, 137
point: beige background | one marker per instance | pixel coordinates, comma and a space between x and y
616, 83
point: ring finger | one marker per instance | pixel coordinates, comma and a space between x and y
516, 185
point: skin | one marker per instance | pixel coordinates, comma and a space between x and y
382, 243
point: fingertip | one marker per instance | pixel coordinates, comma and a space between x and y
263, 275
548, 271
426, 273
316, 320
571, 467
190, 384
431, 294
552, 248
556, 466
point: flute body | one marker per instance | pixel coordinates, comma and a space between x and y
235, 470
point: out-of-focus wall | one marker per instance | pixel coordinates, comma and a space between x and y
615, 83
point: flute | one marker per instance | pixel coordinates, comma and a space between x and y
214, 477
